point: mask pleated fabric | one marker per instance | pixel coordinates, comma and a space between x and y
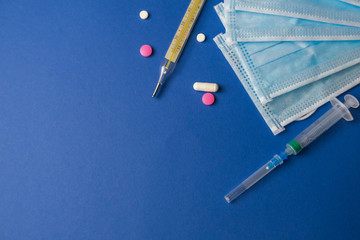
295, 104
244, 26
276, 68
291, 56
328, 11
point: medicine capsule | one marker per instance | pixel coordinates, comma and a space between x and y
206, 87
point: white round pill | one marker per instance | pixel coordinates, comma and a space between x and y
201, 37
144, 14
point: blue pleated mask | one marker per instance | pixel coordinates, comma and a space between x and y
295, 104
328, 11
256, 27
276, 68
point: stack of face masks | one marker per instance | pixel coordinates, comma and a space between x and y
291, 56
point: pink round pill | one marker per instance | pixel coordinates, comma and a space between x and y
208, 99
146, 51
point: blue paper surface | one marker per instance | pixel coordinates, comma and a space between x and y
86, 153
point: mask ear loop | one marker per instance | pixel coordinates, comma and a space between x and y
306, 115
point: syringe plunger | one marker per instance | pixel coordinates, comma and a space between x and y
338, 111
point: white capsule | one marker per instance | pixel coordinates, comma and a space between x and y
206, 87
144, 15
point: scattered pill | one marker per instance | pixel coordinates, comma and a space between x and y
206, 87
201, 37
146, 51
208, 99
144, 15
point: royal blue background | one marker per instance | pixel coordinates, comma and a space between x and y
86, 153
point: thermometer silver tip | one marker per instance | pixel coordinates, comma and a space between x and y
156, 89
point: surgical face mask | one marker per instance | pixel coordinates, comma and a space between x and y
285, 66
293, 105
275, 68
328, 11
256, 27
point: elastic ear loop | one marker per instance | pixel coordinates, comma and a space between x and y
306, 115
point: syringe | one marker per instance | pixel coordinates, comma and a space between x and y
179, 41
338, 111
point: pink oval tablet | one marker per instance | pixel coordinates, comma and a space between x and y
208, 99
146, 51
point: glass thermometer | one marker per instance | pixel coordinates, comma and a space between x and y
179, 41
